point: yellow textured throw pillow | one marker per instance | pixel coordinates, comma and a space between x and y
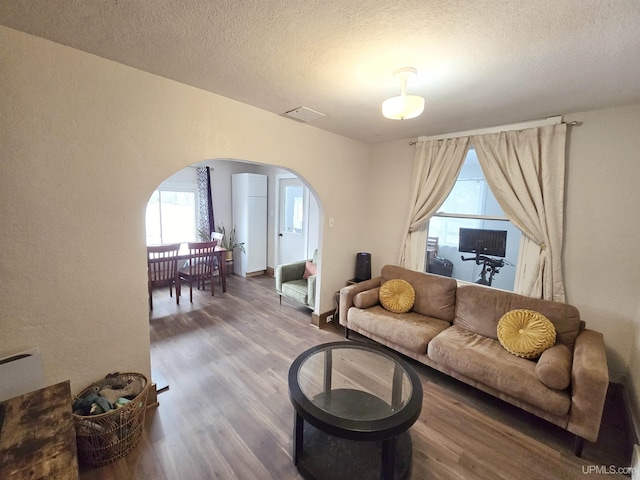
526, 333
397, 296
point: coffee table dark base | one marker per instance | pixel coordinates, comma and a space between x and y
325, 456
357, 430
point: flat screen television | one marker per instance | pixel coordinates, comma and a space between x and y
483, 242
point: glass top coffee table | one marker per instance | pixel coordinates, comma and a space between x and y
354, 404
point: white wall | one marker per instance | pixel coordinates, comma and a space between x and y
601, 261
85, 141
387, 201
187, 175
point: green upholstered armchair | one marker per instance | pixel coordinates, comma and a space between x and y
289, 282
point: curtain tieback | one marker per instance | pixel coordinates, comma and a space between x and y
543, 247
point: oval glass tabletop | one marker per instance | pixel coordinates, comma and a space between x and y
354, 383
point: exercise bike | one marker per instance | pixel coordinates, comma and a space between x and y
490, 266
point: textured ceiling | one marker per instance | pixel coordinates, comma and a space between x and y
480, 62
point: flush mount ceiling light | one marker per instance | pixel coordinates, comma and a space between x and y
405, 106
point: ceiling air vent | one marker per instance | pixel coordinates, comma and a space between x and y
303, 114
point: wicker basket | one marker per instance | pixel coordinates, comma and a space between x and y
109, 436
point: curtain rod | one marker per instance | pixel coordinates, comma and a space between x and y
502, 128
196, 167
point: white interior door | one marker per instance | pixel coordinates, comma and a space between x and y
292, 218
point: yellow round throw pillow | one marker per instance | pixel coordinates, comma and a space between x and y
397, 296
526, 333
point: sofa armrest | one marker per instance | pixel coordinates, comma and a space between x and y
589, 384
347, 294
287, 272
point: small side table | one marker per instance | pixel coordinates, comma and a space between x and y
38, 435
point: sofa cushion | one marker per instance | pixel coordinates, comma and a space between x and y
435, 295
485, 361
367, 299
297, 290
525, 333
310, 268
554, 367
397, 296
480, 308
410, 330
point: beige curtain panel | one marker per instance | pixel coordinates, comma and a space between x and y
525, 170
436, 167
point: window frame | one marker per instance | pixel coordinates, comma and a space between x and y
480, 217
177, 187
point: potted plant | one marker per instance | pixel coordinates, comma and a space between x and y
203, 235
229, 241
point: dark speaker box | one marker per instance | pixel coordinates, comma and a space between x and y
363, 266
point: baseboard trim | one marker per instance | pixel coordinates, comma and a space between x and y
320, 320
270, 272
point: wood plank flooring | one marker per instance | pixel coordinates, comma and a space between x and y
227, 414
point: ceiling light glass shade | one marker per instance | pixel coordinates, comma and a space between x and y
403, 107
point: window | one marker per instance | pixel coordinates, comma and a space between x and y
471, 204
171, 215
467, 197
293, 209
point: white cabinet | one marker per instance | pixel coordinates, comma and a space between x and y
249, 206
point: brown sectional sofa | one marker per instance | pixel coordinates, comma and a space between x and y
453, 328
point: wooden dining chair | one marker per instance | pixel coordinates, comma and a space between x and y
200, 266
217, 237
162, 269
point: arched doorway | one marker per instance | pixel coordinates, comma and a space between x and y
182, 186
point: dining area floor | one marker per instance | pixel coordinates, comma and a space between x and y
241, 293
